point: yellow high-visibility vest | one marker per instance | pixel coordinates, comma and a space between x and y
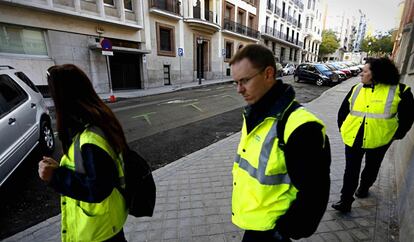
83, 221
262, 190
379, 108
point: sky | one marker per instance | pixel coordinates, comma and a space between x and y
381, 14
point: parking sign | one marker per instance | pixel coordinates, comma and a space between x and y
180, 51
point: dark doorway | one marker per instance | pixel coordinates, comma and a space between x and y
125, 71
201, 55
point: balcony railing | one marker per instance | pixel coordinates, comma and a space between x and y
289, 19
277, 11
284, 15
301, 6
252, 2
239, 28
299, 25
269, 6
295, 21
208, 15
172, 6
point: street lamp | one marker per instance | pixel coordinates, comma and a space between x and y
199, 44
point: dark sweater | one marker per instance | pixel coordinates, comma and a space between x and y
94, 186
303, 154
404, 114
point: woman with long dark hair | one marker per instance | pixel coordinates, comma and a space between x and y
90, 173
373, 114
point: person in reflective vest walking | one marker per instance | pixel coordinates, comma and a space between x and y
279, 192
90, 173
373, 114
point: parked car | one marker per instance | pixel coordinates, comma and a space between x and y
279, 70
24, 120
317, 73
288, 69
341, 74
342, 68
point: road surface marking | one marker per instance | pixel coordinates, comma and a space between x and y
232, 97
194, 106
145, 116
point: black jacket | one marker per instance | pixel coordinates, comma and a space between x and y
94, 186
404, 113
303, 153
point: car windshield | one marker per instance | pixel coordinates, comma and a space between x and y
322, 68
331, 67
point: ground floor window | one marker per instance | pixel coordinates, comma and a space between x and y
21, 40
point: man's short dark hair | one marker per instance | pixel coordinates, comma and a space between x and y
259, 55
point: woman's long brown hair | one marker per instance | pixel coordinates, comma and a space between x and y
77, 103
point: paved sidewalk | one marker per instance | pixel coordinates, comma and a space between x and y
194, 195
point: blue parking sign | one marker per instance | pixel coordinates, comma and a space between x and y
180, 51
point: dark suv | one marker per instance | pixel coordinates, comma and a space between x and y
317, 73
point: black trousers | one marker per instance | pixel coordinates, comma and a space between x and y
119, 237
263, 236
353, 156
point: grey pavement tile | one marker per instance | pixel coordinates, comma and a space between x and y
154, 235
200, 230
361, 233
170, 234
217, 238
329, 237
136, 236
345, 236
234, 236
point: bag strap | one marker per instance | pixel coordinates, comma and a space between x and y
282, 123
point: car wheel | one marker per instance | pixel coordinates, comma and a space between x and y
319, 82
296, 78
46, 139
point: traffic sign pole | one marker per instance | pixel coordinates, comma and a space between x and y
180, 54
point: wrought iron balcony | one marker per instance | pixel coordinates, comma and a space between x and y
239, 28
277, 11
208, 15
269, 6
172, 6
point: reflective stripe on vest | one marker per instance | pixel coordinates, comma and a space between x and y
84, 221
262, 189
79, 167
387, 110
259, 173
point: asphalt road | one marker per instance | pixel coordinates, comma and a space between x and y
162, 128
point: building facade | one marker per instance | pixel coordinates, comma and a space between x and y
361, 31
312, 31
403, 55
281, 29
70, 31
345, 27
154, 42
